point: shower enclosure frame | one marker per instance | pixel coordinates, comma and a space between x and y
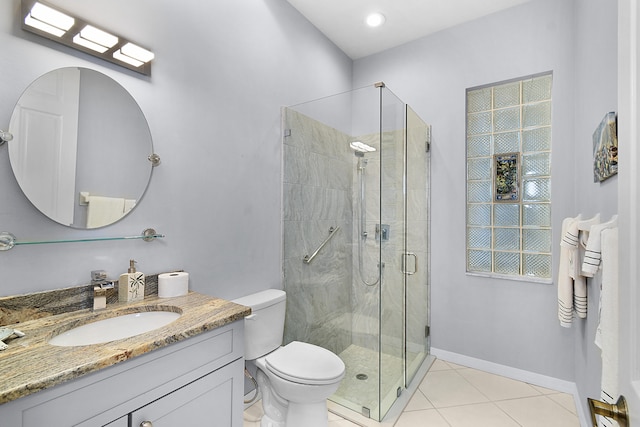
385, 316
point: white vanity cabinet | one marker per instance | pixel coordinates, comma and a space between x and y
197, 381
120, 422
206, 402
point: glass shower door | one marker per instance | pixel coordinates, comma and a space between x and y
416, 257
391, 235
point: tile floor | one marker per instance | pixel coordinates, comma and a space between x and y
456, 396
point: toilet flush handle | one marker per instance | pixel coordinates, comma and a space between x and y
250, 317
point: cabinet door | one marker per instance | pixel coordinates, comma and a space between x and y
214, 400
120, 422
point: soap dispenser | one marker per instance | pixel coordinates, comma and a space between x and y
131, 284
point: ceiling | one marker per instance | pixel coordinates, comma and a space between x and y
343, 21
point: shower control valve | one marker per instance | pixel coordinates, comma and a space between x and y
382, 232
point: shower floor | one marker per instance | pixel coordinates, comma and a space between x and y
355, 393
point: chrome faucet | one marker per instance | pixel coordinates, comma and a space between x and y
100, 285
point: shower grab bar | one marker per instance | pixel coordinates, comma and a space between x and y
308, 258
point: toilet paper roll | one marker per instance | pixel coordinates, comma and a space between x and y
173, 284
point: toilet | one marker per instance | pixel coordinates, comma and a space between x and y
296, 379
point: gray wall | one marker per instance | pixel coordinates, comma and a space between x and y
222, 71
595, 95
508, 322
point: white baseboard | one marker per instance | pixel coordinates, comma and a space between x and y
519, 375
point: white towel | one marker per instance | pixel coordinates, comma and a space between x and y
570, 241
592, 255
584, 226
128, 205
104, 210
565, 282
607, 331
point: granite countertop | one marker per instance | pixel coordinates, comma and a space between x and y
30, 364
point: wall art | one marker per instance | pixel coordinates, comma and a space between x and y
605, 148
507, 177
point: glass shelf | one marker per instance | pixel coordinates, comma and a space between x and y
8, 240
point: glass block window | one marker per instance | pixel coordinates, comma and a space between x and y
509, 178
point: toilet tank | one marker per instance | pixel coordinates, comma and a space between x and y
264, 328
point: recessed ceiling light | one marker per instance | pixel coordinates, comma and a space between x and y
375, 19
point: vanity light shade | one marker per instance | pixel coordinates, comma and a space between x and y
136, 52
48, 20
95, 39
133, 54
124, 58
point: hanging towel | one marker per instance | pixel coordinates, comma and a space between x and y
565, 282
593, 254
128, 205
584, 226
570, 241
579, 286
607, 331
104, 210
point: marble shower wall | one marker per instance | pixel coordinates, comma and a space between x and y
378, 311
317, 183
365, 292
382, 313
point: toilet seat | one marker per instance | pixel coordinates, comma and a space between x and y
306, 364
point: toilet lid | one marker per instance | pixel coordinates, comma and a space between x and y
305, 363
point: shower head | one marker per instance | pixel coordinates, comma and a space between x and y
360, 148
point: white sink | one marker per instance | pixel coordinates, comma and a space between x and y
114, 328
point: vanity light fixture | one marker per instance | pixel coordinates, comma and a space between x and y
60, 26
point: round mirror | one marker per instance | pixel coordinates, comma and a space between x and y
80, 149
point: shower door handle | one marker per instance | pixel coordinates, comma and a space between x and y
405, 269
